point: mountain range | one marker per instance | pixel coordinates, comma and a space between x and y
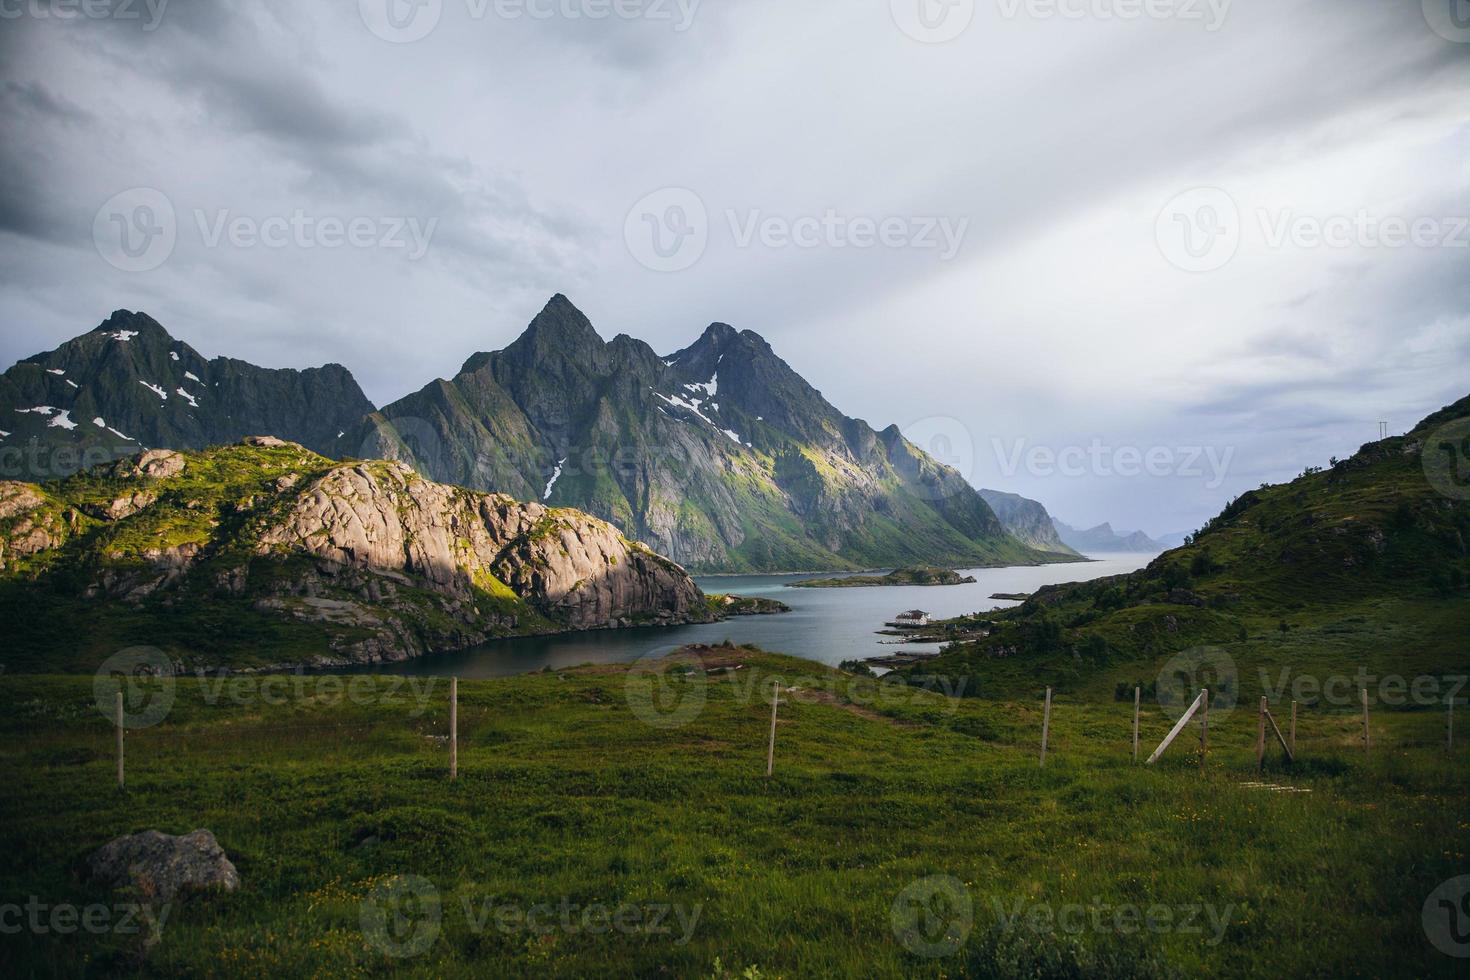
127, 386
1103, 539
719, 455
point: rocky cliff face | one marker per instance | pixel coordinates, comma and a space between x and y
1026, 520
382, 563
719, 455
128, 385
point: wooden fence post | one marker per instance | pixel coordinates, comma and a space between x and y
1179, 726
120, 730
1137, 700
453, 728
771, 748
1293, 729
1367, 733
1204, 728
1261, 739
1045, 726
1452, 725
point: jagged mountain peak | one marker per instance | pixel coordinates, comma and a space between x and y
559, 322
128, 384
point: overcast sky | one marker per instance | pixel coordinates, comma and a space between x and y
1100, 229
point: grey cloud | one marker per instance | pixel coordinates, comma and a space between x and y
530, 141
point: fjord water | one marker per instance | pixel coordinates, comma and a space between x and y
827, 625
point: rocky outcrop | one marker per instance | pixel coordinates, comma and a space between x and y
382, 563
154, 464
162, 866
29, 523
385, 518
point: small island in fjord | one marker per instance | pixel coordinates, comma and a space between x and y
916, 575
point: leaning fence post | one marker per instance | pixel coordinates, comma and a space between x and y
1367, 733
120, 729
453, 728
1137, 700
1045, 725
1293, 729
1261, 739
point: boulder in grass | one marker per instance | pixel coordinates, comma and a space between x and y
161, 865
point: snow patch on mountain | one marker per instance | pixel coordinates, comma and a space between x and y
556, 475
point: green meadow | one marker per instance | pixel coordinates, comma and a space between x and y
617, 821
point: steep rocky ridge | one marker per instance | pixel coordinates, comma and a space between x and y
719, 455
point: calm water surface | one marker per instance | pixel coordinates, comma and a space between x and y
827, 625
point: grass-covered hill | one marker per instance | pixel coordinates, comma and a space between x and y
904, 834
1338, 567
266, 553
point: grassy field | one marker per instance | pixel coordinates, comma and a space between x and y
612, 821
